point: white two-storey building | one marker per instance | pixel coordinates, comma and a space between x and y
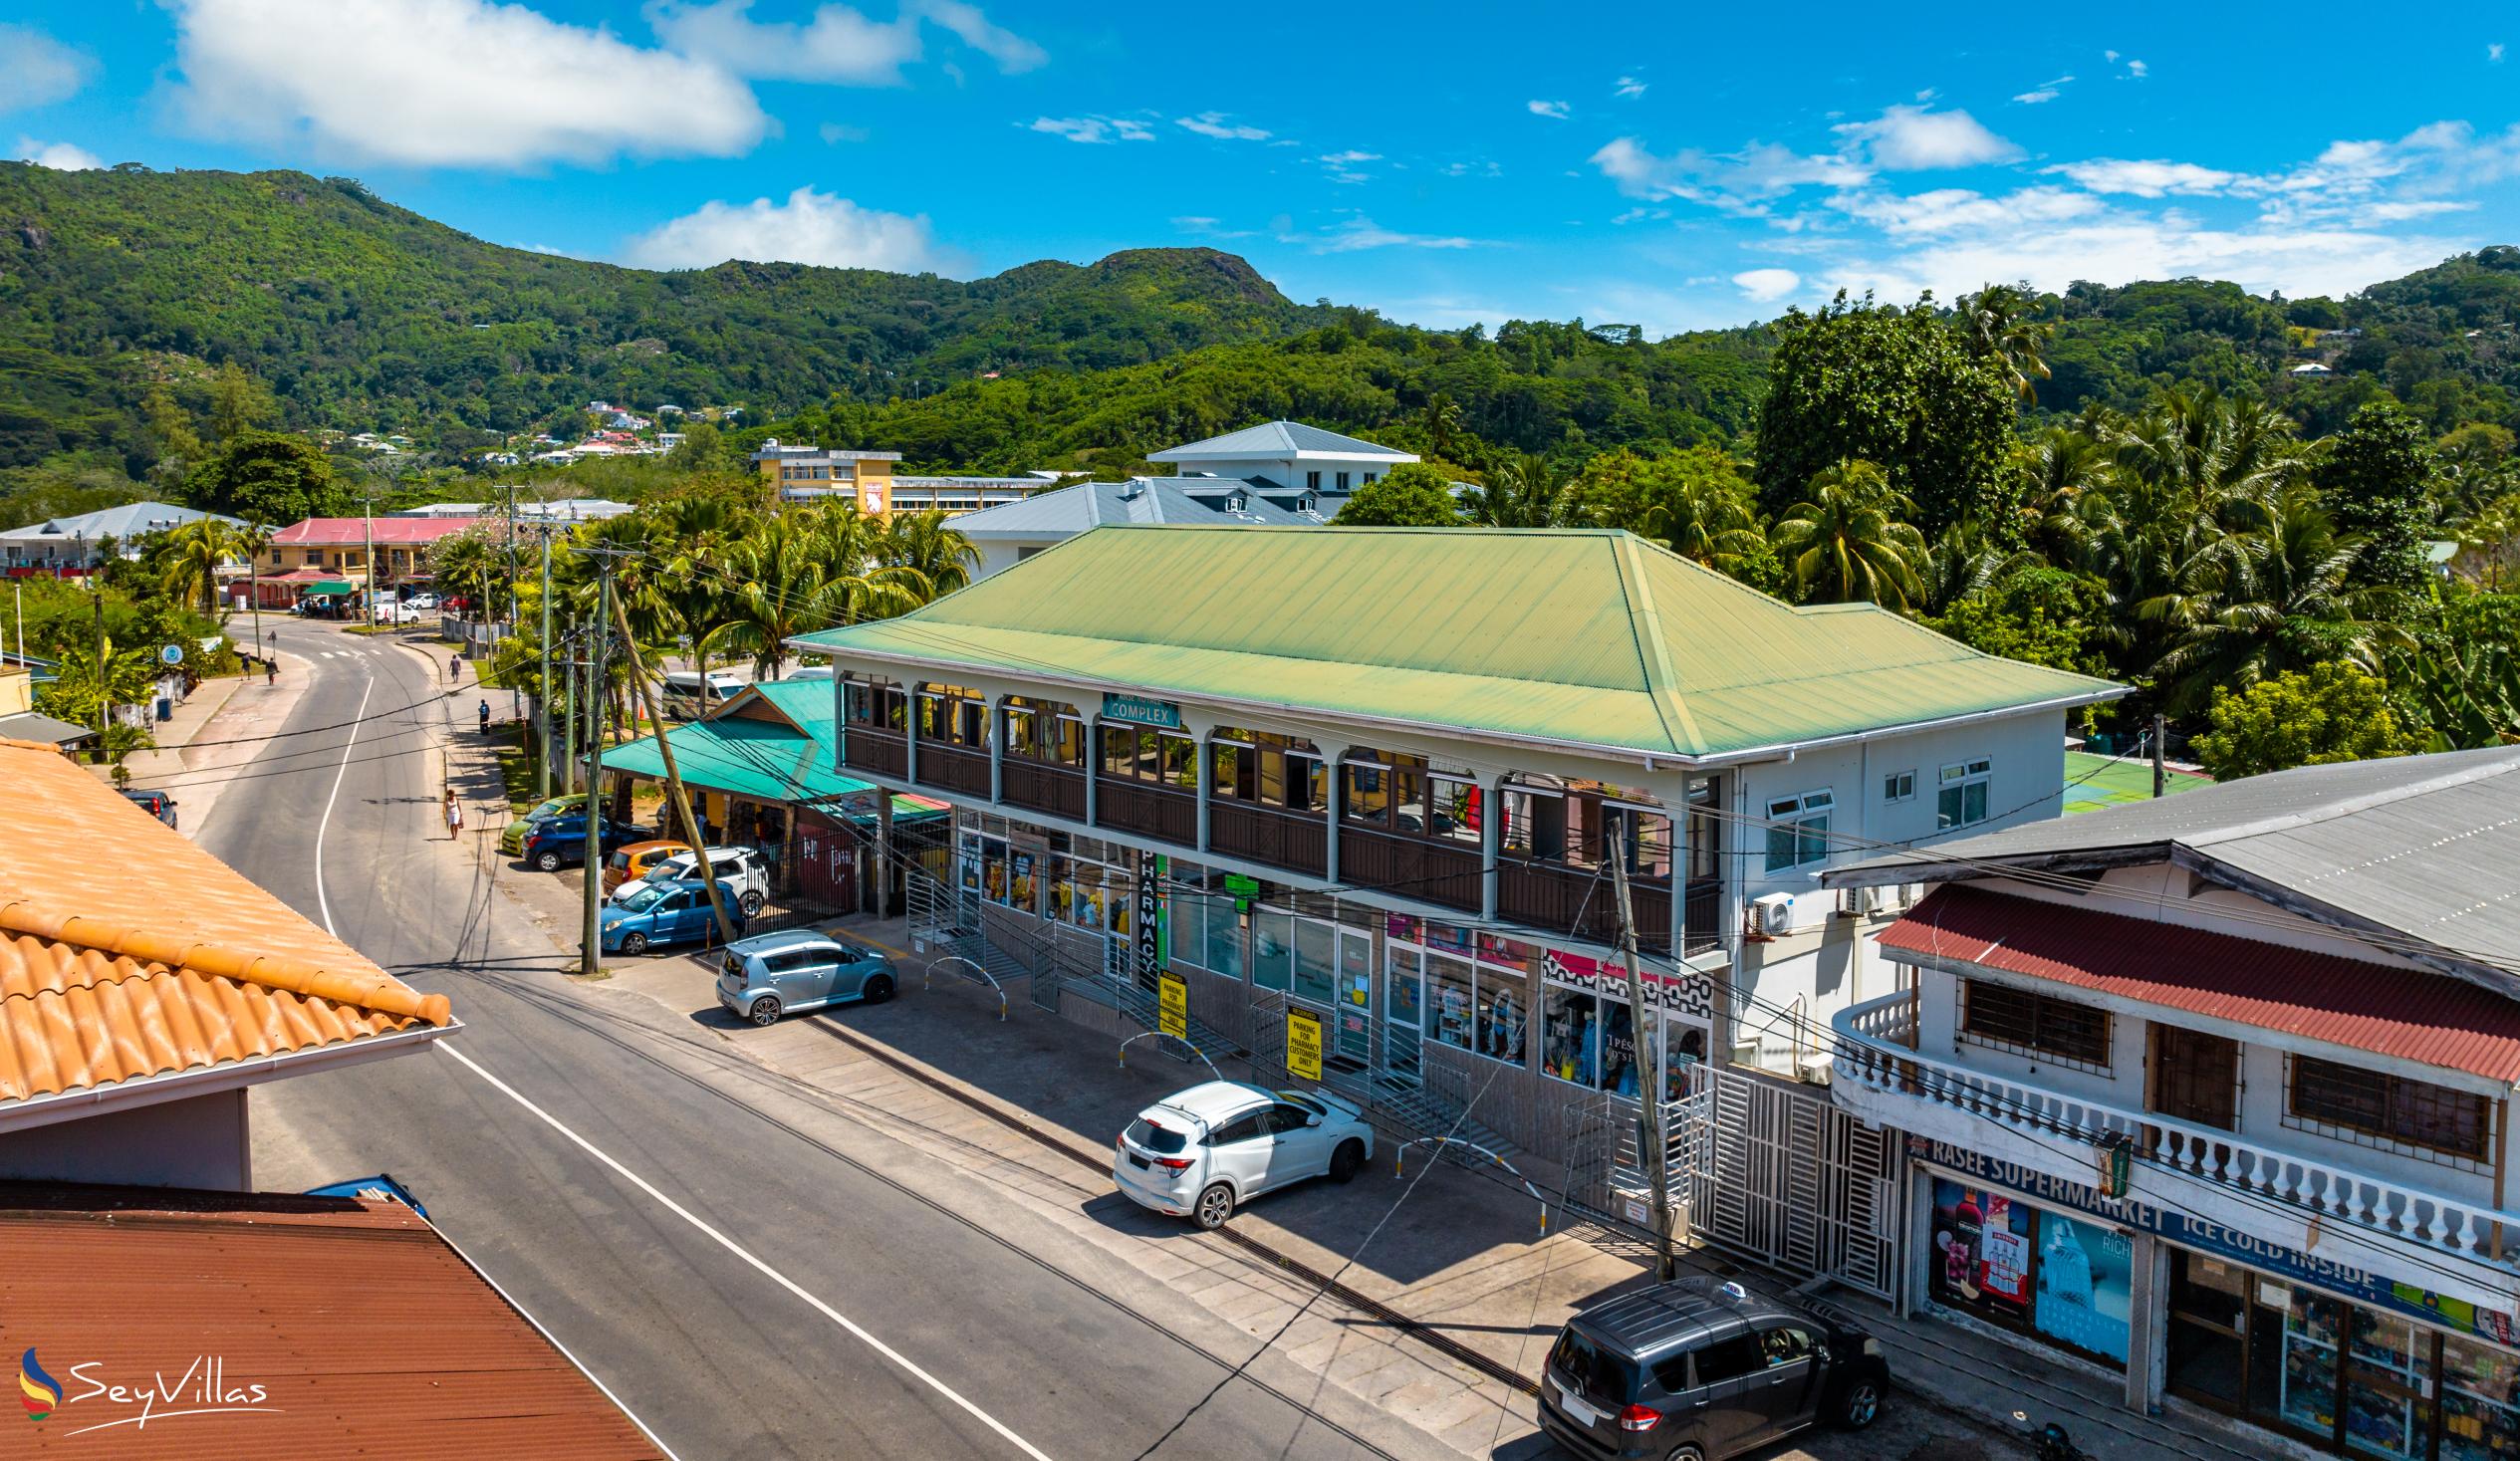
2216, 1092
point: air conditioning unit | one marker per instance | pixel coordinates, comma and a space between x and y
1773, 913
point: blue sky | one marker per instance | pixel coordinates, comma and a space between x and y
1442, 163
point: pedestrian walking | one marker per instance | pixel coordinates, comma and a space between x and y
454, 668
485, 717
454, 815
271, 674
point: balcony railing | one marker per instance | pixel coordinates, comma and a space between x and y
1410, 867
953, 769
1580, 902
1056, 790
1133, 806
1298, 841
1872, 1053
885, 753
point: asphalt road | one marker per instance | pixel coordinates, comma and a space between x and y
878, 1307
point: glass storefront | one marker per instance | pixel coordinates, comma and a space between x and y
2339, 1376
2069, 1281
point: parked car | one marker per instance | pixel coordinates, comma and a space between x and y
746, 868
155, 803
512, 837
665, 912
1706, 1369
422, 602
776, 974
690, 694
1204, 1152
561, 842
634, 862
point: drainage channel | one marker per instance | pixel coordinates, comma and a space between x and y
1425, 1333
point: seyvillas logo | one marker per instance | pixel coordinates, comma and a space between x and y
38, 1391
203, 1388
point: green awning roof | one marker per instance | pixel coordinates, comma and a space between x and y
760, 759
1577, 637
329, 586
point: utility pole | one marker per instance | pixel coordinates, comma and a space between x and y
1650, 1054
2157, 777
105, 680
516, 696
592, 962
254, 542
368, 511
673, 777
542, 690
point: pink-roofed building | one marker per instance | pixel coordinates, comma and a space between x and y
322, 549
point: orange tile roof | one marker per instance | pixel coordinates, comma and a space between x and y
367, 1331
126, 951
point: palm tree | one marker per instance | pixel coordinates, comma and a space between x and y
1849, 542
1442, 421
194, 555
780, 586
922, 543
1523, 493
1706, 520
1996, 322
2274, 598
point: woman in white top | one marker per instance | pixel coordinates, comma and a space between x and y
454, 815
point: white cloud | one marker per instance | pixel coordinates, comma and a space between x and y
2047, 91
836, 132
837, 45
60, 156
1361, 232
1472, 169
36, 70
1011, 52
809, 228
1094, 129
1345, 166
1738, 181
1629, 87
2145, 180
2137, 69
1916, 138
1222, 127
2493, 52
1554, 109
446, 83
1767, 285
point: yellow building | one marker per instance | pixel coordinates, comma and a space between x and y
816, 474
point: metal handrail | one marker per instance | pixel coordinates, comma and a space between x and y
1399, 1152
927, 978
1160, 1035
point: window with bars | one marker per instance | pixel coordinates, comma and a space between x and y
2388, 1112
2033, 1023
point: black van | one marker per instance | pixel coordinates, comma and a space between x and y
1698, 1370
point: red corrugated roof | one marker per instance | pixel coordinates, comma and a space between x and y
368, 1335
347, 531
2408, 1014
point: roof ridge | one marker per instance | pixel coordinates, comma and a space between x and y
381, 993
2483, 768
1644, 621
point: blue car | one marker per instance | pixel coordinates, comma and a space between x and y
649, 913
800, 969
561, 842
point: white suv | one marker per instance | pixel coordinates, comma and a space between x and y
745, 868
1202, 1153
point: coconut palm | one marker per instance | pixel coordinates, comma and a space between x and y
924, 543
1704, 520
1523, 493
1849, 540
194, 555
1996, 322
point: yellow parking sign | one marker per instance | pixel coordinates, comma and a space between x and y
1302, 1043
1172, 1006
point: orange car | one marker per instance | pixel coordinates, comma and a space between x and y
631, 863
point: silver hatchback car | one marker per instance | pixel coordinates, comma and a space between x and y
773, 974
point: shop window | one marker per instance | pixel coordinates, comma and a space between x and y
1455, 807
1961, 795
2004, 1018
1798, 831
1315, 974
2066, 1280
1501, 1019
1272, 949
1448, 992
2389, 1112
1568, 1034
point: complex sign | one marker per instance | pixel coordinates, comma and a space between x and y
1139, 710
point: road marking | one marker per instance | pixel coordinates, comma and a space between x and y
321, 901
782, 1279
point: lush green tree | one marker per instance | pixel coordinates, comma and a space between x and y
1520, 492
2315, 717
2034, 613
1698, 503
1410, 495
1999, 324
1849, 540
192, 555
238, 404
702, 450
269, 477
2379, 476
2459, 670
1895, 387
85, 682
925, 544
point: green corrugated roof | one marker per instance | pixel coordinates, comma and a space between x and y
759, 759
1590, 638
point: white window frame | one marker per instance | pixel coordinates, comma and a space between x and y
1892, 795
1957, 777
1806, 809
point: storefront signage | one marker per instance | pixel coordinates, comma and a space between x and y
1172, 1006
2246, 1248
1147, 930
1139, 710
1302, 1043
1677, 995
1244, 890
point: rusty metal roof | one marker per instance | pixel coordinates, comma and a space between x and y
2408, 1014
126, 952
367, 1334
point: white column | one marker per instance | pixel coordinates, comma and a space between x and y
1092, 765
1203, 738
1491, 841
994, 726
910, 735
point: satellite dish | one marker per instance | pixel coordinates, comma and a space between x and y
172, 654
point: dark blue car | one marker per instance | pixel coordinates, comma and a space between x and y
561, 842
